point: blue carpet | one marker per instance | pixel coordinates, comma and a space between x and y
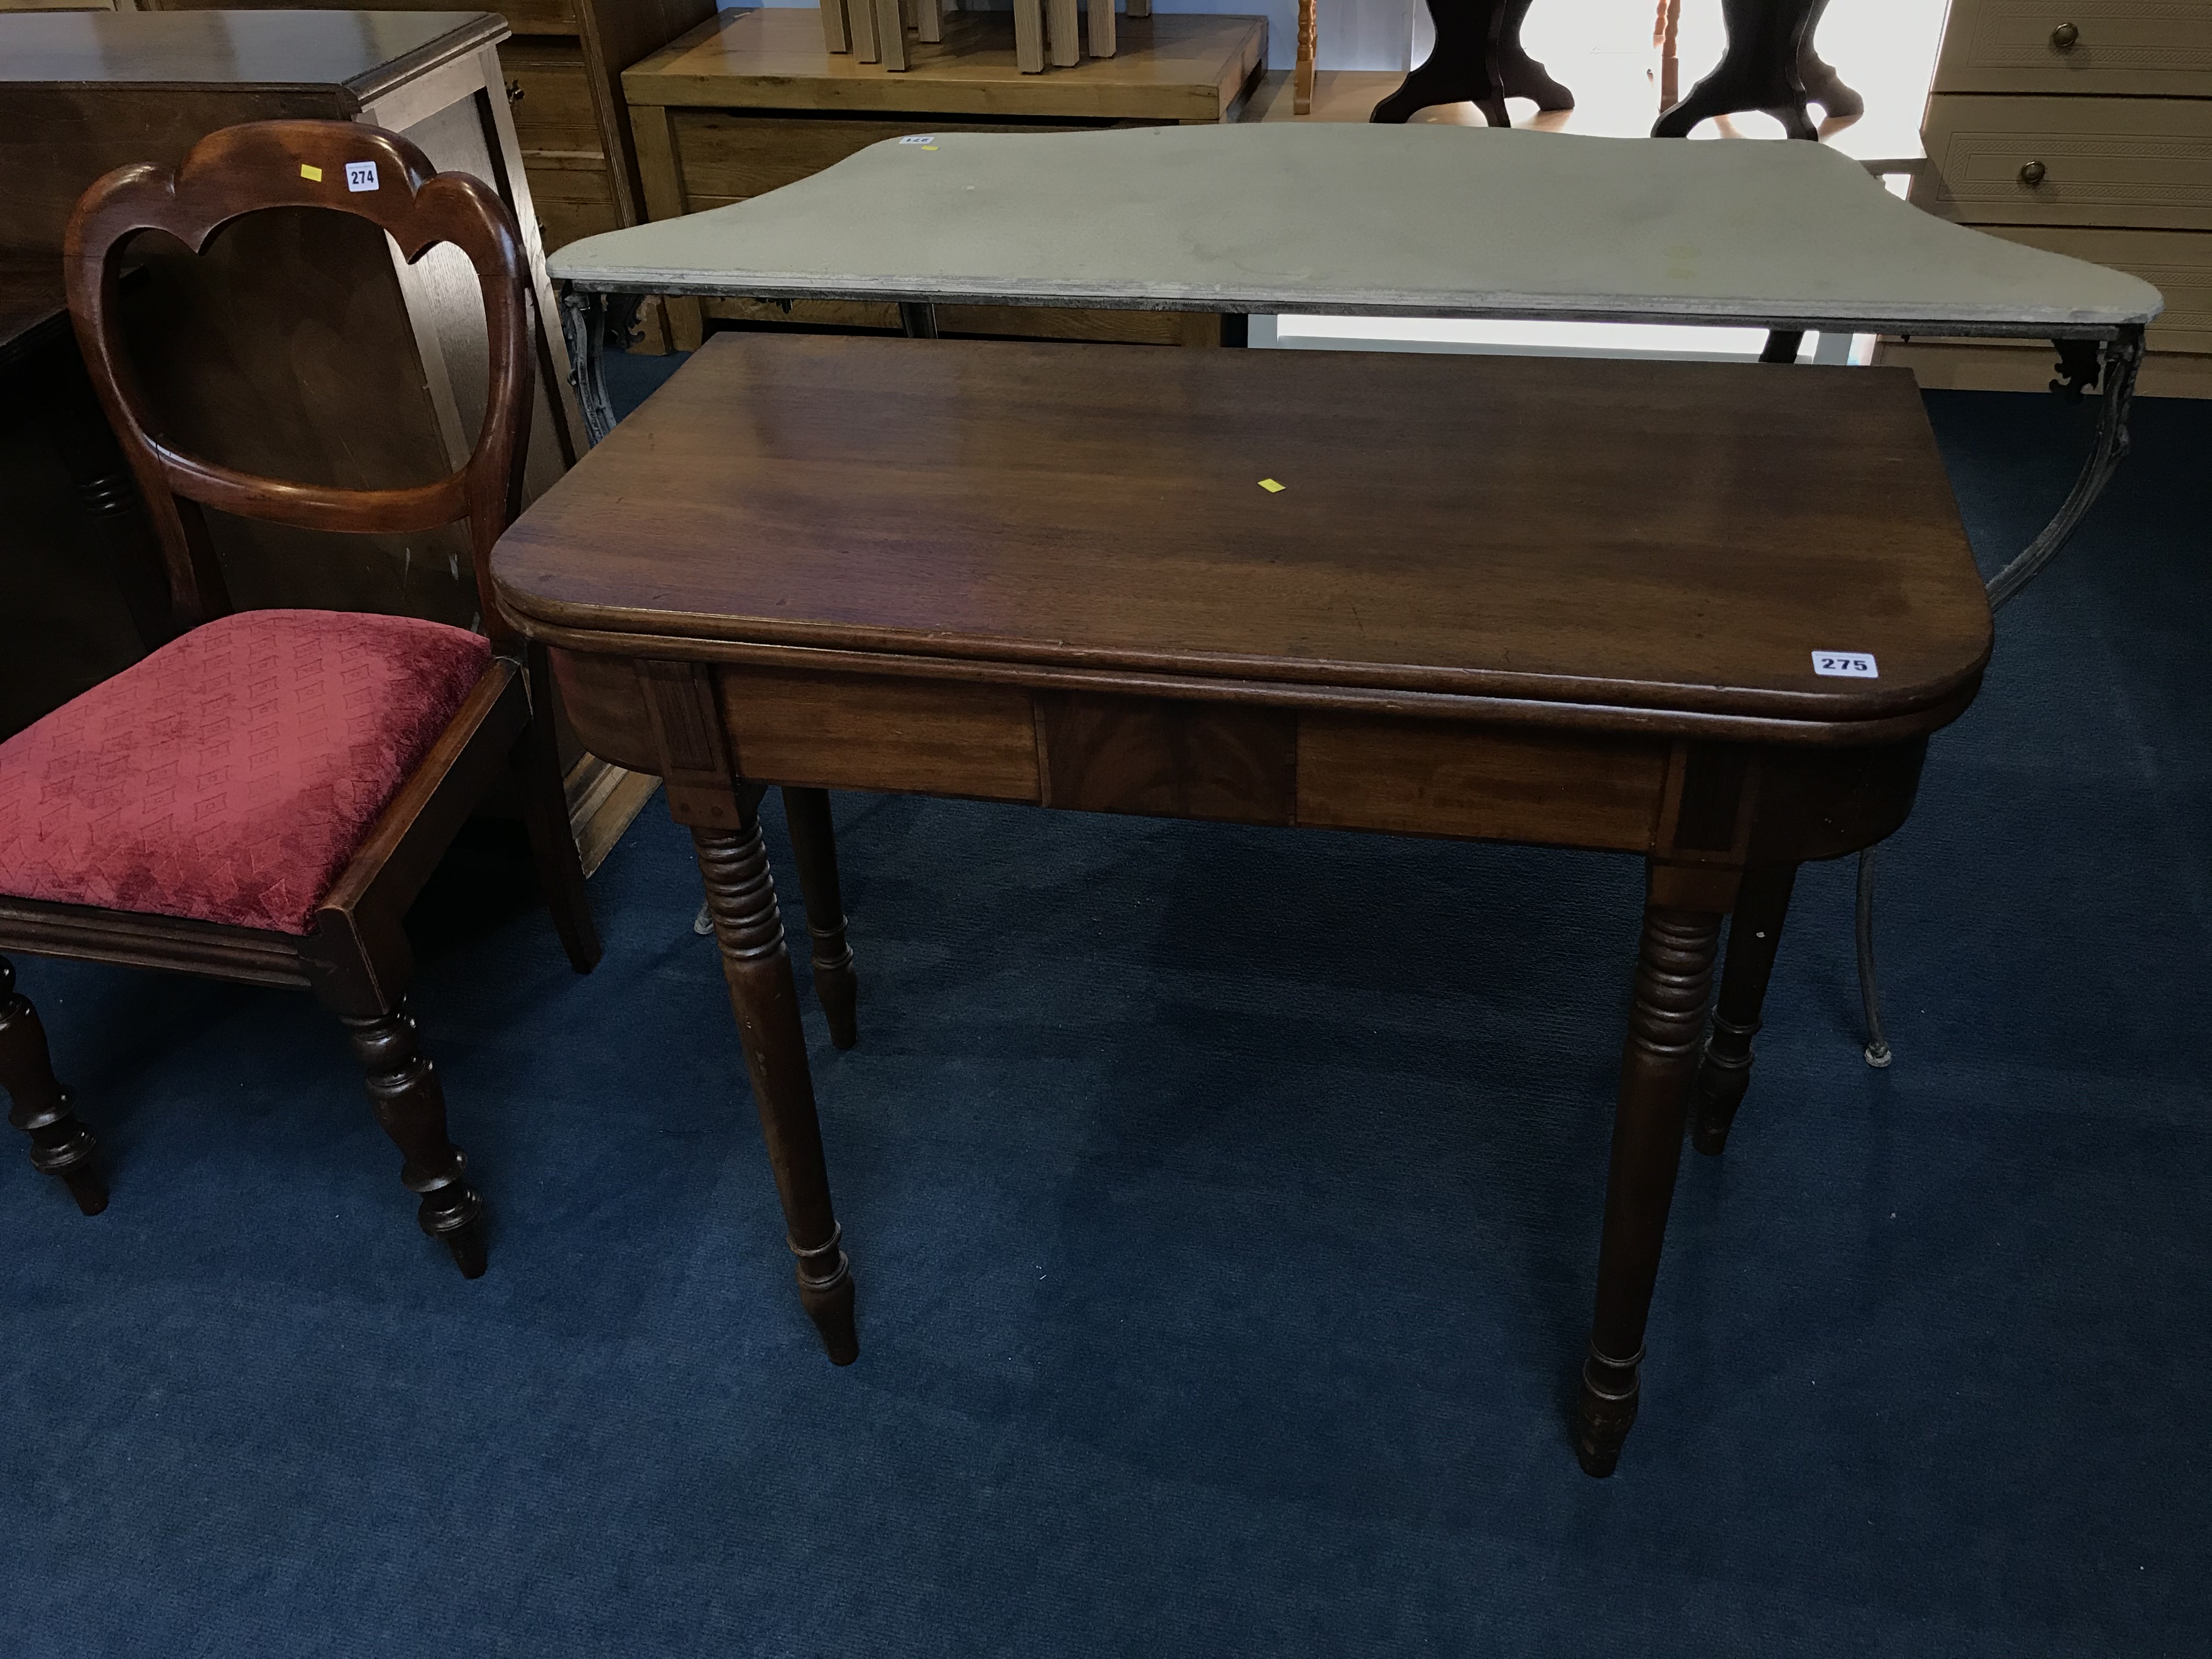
1224, 1207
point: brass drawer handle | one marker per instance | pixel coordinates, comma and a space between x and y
2032, 174
2064, 36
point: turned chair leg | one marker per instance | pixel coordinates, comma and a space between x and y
410, 1103
814, 850
749, 929
545, 814
1674, 981
1754, 933
39, 1106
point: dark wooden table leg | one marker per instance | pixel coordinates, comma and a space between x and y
1822, 84
814, 850
409, 1101
1674, 980
536, 766
1478, 58
38, 1103
1759, 69
1754, 933
748, 928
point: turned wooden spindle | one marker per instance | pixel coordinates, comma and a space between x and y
814, 850
38, 1103
1754, 933
749, 929
410, 1103
1673, 982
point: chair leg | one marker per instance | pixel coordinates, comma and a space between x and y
410, 1103
814, 850
39, 1106
545, 813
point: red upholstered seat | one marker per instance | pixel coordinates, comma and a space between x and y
231, 775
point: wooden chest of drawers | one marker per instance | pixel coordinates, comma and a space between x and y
2083, 127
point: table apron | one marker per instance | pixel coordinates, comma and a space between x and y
709, 729
1745, 313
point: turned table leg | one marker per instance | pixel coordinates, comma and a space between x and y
39, 1106
741, 900
814, 850
409, 1101
1674, 979
1754, 933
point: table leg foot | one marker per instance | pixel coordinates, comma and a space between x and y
825, 1289
749, 931
1604, 1412
1673, 982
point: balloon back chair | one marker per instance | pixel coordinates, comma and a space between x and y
261, 798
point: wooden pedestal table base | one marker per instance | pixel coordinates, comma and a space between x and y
1479, 59
1769, 65
1606, 639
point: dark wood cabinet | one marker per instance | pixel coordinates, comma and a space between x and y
300, 345
564, 80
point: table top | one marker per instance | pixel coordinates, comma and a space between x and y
1634, 545
1181, 67
365, 53
1420, 220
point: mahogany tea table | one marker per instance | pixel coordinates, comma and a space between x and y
1702, 614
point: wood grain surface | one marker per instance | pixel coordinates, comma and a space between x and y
1166, 69
1672, 537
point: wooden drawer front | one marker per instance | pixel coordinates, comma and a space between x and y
728, 156
553, 111
1167, 757
2126, 48
939, 737
2178, 264
2133, 163
1183, 328
1356, 772
574, 195
523, 17
1939, 365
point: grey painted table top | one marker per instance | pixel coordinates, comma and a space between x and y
1414, 220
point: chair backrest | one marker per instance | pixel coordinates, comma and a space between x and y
375, 175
